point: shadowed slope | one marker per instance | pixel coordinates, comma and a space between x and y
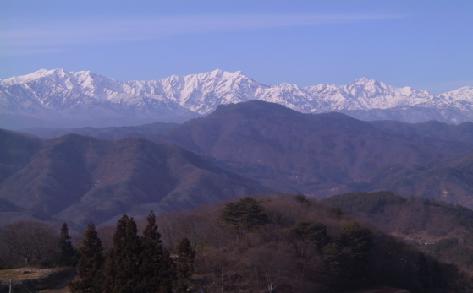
83, 179
443, 230
316, 154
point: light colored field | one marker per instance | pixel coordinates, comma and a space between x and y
54, 278
23, 274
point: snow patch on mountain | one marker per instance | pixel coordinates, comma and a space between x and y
91, 97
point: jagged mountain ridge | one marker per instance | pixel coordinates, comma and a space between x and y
89, 99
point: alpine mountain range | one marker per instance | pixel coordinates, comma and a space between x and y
58, 98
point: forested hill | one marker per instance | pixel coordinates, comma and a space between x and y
442, 230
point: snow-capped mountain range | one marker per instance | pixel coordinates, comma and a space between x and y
56, 97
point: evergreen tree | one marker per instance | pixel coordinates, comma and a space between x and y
346, 259
245, 214
67, 253
123, 263
185, 265
156, 266
90, 269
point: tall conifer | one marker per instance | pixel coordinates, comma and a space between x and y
123, 263
90, 268
156, 267
67, 253
151, 255
184, 265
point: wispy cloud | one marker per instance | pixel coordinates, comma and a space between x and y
53, 35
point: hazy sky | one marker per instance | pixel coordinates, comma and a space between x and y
427, 44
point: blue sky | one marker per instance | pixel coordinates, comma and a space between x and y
427, 44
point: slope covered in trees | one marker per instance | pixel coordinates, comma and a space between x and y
82, 179
240, 149
331, 153
277, 244
292, 244
442, 230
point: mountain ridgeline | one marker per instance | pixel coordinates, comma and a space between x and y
58, 98
330, 153
319, 154
339, 232
83, 179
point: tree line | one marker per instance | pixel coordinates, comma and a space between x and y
31, 243
286, 244
135, 263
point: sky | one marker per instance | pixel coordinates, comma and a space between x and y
425, 44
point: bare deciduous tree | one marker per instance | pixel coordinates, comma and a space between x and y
29, 243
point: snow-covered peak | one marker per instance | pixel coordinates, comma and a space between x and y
60, 90
52, 80
216, 75
39, 74
464, 93
368, 87
365, 81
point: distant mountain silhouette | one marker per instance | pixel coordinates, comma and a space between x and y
61, 98
15, 151
84, 179
319, 154
150, 131
240, 147
450, 181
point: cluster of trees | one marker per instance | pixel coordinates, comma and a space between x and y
284, 244
343, 259
450, 239
29, 243
135, 263
244, 215
293, 244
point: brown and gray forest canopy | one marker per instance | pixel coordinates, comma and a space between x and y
28, 243
302, 246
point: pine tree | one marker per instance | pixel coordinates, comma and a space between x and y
245, 214
90, 269
123, 263
67, 253
346, 259
156, 268
185, 265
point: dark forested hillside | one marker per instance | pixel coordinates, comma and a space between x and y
461, 133
293, 244
450, 181
15, 151
278, 244
83, 179
330, 153
241, 148
151, 131
440, 229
